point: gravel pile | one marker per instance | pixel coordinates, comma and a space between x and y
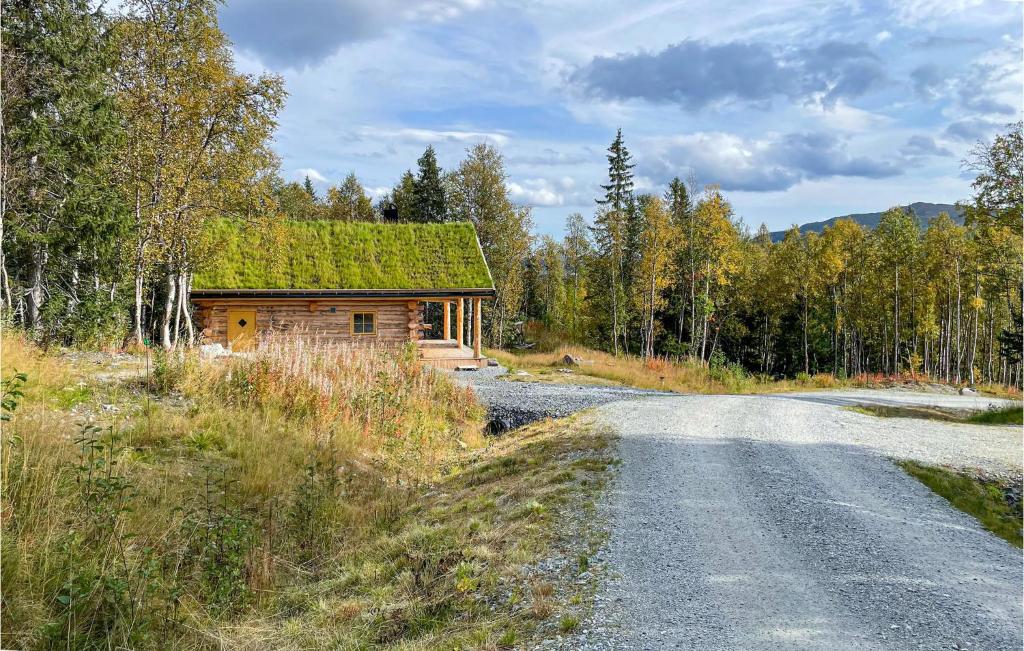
514, 404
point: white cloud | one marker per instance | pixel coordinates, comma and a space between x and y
844, 117
313, 175
883, 36
533, 196
429, 136
917, 12
545, 192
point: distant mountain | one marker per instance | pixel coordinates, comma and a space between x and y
923, 211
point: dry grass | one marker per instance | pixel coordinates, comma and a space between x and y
656, 373
306, 496
684, 376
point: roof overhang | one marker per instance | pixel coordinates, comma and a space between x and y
459, 292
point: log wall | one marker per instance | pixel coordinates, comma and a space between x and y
312, 319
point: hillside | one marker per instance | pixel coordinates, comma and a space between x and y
923, 210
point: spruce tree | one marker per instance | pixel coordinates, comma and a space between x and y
615, 226
307, 184
619, 189
430, 204
61, 124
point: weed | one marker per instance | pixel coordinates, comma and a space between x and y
568, 623
11, 393
1007, 416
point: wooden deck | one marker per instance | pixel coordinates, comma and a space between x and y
446, 353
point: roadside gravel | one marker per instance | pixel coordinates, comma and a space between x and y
513, 404
777, 522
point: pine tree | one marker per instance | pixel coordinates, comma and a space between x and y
430, 203
60, 125
618, 192
614, 228
307, 184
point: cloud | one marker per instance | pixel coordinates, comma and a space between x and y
547, 156
546, 192
945, 42
978, 87
883, 36
917, 12
696, 74
313, 175
299, 33
929, 81
918, 146
430, 136
772, 163
971, 129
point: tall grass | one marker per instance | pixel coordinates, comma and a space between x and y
659, 372
685, 376
152, 513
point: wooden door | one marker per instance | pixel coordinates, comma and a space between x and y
241, 329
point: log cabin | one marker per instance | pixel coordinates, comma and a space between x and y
353, 282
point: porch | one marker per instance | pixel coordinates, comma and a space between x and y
459, 341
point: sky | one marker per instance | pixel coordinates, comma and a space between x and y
799, 111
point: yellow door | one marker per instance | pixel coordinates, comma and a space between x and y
241, 329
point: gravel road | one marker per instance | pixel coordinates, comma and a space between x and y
777, 522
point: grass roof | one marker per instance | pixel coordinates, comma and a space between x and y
346, 255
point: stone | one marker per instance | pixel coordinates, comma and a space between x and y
491, 361
213, 350
569, 360
968, 391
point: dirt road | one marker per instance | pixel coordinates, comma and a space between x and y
778, 522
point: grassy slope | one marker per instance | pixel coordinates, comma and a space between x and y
1008, 416
982, 500
258, 517
346, 255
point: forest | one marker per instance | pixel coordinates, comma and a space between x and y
125, 135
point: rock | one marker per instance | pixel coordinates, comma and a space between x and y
968, 391
569, 360
468, 367
566, 370
523, 373
213, 350
492, 362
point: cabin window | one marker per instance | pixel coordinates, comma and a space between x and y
364, 323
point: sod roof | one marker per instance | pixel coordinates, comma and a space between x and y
325, 255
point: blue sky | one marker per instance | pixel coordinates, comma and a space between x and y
799, 110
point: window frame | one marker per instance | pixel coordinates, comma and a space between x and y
352, 323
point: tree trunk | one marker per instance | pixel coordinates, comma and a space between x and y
807, 361
34, 294
165, 327
896, 327
186, 290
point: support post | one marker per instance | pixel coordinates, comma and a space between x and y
446, 332
414, 320
460, 315
476, 328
